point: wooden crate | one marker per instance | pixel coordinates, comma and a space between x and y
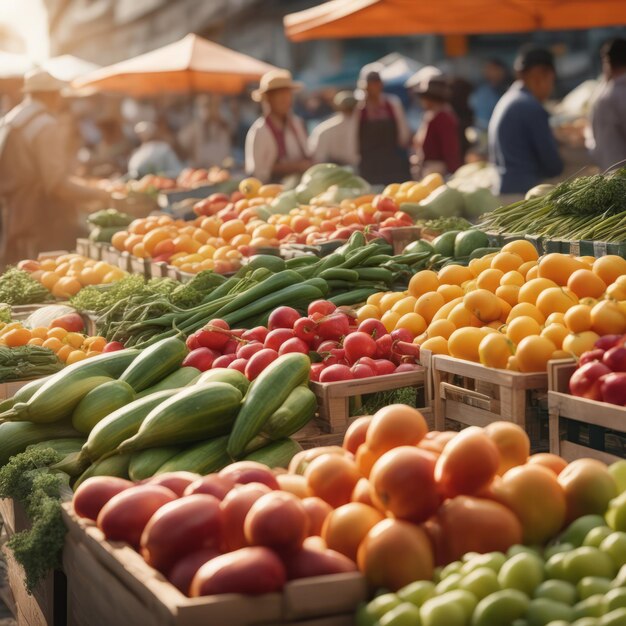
580, 427
111, 255
403, 236
158, 269
82, 247
109, 583
333, 399
135, 265
470, 394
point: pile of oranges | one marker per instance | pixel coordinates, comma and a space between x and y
69, 347
65, 275
511, 309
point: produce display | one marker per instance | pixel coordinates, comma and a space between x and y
104, 224
18, 287
193, 177
508, 309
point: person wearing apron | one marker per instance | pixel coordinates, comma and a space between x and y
383, 134
276, 144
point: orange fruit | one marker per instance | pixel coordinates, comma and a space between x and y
436, 345
423, 282
524, 268
440, 328
530, 291
533, 272
63, 352
428, 304
533, 353
476, 266
521, 327
413, 322
367, 311
513, 278
454, 275
49, 279
524, 308
463, 343
506, 261
36, 341
489, 279
578, 318
53, 344
556, 299
153, 238
75, 356
57, 332
483, 304
523, 248
389, 320
559, 267
231, 228
495, 349
585, 283
446, 309
17, 337
406, 305
389, 299
395, 425
66, 287
461, 317
555, 318
609, 268
75, 340
508, 293
556, 333
607, 318
577, 343
450, 292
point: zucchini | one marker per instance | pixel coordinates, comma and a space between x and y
145, 463
202, 458
24, 393
60, 394
193, 414
181, 377
15, 437
381, 274
113, 466
355, 296
301, 261
225, 375
266, 395
155, 363
276, 454
62, 446
99, 403
122, 424
73, 464
339, 273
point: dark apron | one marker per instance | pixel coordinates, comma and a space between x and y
382, 160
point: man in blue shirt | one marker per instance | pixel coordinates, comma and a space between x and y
521, 143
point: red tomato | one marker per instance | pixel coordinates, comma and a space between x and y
360, 370
283, 317
258, 333
336, 372
215, 335
113, 346
316, 370
294, 345
224, 361
276, 338
357, 345
201, 358
239, 365
248, 350
305, 328
373, 327
384, 203
259, 361
321, 306
335, 326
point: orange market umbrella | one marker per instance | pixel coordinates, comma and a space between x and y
192, 64
373, 18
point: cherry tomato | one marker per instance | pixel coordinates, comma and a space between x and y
321, 306
334, 373
357, 345
283, 317
305, 328
215, 335
294, 345
113, 346
384, 366
275, 338
360, 370
247, 350
201, 358
372, 327
224, 361
259, 361
335, 326
239, 365
316, 370
258, 333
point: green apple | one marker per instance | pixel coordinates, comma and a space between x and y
558, 622
500, 608
592, 585
523, 572
558, 590
616, 514
451, 568
437, 574
620, 578
576, 532
519, 622
615, 546
596, 535
481, 582
618, 471
585, 621
468, 556
542, 611
614, 618
593, 606
518, 549
439, 611
555, 548
492, 560
405, 614
587, 561
370, 613
555, 566
417, 592
615, 599
449, 583
463, 598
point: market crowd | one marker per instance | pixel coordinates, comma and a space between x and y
48, 138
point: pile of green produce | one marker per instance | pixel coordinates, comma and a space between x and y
104, 224
5, 314
584, 208
19, 287
25, 362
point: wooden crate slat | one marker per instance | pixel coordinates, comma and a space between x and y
571, 451
464, 414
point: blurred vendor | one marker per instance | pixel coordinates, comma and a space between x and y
154, 156
383, 133
521, 143
608, 114
276, 144
436, 143
336, 139
38, 193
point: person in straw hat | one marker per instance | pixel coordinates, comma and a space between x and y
37, 191
436, 143
276, 144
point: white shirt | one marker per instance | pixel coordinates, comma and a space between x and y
336, 140
154, 157
262, 150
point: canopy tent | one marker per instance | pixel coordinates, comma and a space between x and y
68, 67
13, 66
192, 64
375, 18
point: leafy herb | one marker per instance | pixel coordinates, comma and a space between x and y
19, 287
5, 314
23, 362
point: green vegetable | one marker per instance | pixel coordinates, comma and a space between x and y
103, 234
442, 202
146, 463
108, 218
276, 454
19, 287
203, 458
444, 244
478, 201
100, 402
5, 314
468, 241
24, 362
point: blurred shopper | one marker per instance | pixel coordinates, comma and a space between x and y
436, 143
484, 98
276, 144
608, 113
109, 156
383, 133
153, 156
207, 138
521, 143
336, 140
39, 195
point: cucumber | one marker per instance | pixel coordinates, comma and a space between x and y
99, 403
61, 393
145, 463
340, 273
73, 464
478, 253
202, 458
225, 375
276, 454
122, 424
269, 261
181, 377
113, 466
15, 437
25, 393
354, 296
62, 446
469, 240
155, 363
193, 414
266, 395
